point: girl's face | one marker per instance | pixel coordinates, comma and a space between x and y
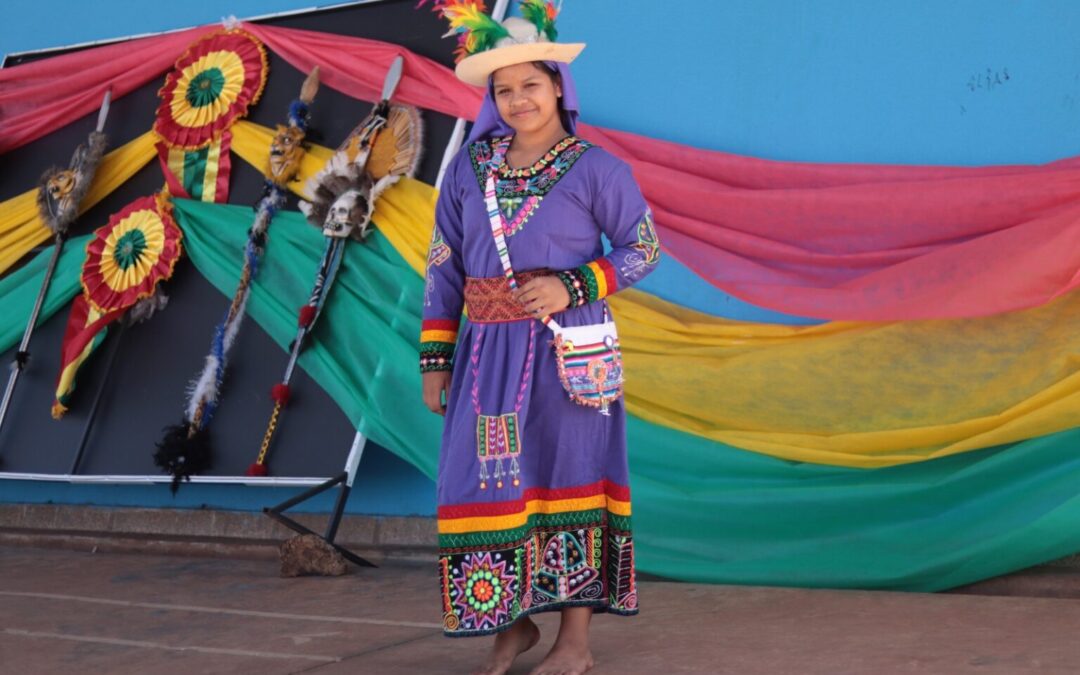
527, 98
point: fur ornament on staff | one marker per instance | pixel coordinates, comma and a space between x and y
186, 450
382, 148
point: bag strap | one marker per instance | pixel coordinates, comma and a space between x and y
496, 220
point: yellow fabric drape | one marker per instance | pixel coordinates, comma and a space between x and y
409, 205
21, 227
842, 393
252, 142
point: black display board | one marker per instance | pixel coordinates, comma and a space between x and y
156, 360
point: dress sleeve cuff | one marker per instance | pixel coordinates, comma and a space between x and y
589, 282
438, 338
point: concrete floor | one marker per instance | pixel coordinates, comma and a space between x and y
73, 612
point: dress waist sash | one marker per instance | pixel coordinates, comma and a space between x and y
489, 300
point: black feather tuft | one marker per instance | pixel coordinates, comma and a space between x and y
182, 455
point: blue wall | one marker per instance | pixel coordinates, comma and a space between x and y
963, 82
839, 80
830, 80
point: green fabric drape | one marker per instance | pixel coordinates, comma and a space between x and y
364, 349
19, 290
703, 511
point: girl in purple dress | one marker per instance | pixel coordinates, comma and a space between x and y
533, 492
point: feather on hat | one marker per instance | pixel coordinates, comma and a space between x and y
485, 45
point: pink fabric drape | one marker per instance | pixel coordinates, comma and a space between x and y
833, 241
864, 242
40, 97
357, 67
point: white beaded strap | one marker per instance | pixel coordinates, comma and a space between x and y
496, 219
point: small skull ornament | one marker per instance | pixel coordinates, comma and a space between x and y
348, 212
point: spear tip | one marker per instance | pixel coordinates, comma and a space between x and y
104, 112
310, 87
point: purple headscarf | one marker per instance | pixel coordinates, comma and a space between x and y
490, 123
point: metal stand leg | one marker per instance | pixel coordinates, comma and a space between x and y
345, 480
114, 349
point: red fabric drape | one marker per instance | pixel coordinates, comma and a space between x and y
357, 67
858, 242
39, 97
834, 241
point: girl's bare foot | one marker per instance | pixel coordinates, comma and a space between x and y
519, 638
565, 658
570, 654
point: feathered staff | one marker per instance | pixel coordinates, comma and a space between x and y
185, 449
59, 195
384, 146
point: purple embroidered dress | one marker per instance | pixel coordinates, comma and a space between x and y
533, 493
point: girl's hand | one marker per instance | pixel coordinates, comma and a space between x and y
436, 384
542, 296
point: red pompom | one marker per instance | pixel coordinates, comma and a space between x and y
257, 469
307, 315
280, 393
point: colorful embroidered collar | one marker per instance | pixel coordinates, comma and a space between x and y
533, 181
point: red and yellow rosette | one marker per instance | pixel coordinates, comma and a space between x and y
130, 255
125, 260
216, 80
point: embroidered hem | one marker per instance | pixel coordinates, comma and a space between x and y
547, 550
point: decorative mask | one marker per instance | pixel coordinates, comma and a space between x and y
59, 190
286, 152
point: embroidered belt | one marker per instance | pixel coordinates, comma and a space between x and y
489, 299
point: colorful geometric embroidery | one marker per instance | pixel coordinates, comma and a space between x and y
590, 371
438, 339
489, 300
623, 593
484, 590
520, 191
647, 240
498, 438
438, 251
516, 211
561, 559
576, 286
590, 282
565, 571
646, 252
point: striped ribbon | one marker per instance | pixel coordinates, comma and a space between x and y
496, 219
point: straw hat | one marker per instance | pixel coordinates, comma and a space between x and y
523, 44
485, 45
